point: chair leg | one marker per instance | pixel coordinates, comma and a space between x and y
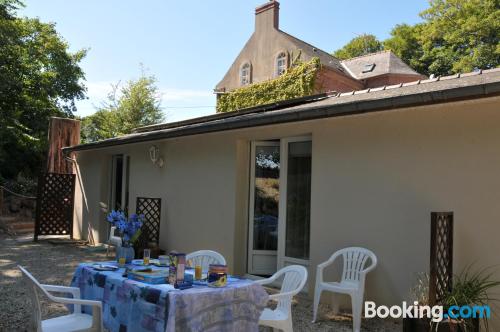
357, 309
335, 304
317, 296
288, 326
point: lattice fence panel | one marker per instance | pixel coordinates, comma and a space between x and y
54, 208
441, 269
151, 209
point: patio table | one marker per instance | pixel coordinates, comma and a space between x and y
130, 305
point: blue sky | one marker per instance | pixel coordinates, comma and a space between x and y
189, 45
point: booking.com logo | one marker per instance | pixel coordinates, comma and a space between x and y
435, 313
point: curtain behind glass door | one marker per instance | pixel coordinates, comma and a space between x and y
298, 200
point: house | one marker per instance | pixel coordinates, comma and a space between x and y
270, 51
296, 181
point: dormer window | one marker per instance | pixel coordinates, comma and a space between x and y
245, 74
281, 63
368, 68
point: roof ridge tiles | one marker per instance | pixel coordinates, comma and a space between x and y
366, 55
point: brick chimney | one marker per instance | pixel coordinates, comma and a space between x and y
267, 16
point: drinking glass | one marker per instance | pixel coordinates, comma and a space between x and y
147, 255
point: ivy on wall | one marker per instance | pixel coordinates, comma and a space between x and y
298, 81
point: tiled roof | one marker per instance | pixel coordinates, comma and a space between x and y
326, 58
385, 62
479, 84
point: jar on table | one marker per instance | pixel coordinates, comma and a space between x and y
217, 275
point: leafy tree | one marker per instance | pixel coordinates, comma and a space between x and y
405, 43
456, 36
39, 78
358, 46
461, 35
136, 104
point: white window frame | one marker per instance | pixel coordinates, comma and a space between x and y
282, 259
280, 69
248, 76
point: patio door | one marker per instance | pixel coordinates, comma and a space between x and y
280, 201
295, 202
119, 182
264, 207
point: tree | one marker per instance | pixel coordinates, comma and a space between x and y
136, 104
405, 43
39, 78
358, 46
456, 36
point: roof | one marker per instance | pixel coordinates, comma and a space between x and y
385, 62
472, 85
325, 58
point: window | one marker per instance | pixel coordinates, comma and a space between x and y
245, 74
281, 63
368, 68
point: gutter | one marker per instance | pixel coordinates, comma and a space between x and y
309, 112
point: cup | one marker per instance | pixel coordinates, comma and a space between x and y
197, 272
147, 255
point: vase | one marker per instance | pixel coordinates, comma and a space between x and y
127, 252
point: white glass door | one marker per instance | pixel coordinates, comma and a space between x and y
295, 202
280, 204
264, 207
119, 183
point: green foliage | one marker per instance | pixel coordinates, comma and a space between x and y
456, 36
473, 288
358, 46
298, 81
39, 78
404, 42
138, 104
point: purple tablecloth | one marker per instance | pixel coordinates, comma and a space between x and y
135, 306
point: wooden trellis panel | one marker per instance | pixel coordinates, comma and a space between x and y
441, 269
151, 209
54, 208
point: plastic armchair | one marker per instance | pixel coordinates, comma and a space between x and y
293, 282
205, 258
113, 240
77, 321
352, 282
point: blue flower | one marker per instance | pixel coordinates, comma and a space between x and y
127, 227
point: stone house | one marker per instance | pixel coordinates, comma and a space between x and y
270, 51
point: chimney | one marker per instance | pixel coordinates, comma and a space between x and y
267, 16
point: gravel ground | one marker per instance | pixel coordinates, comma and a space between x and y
55, 264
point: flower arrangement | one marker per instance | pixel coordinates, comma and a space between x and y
129, 228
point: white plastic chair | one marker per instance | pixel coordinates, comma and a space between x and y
113, 240
205, 258
77, 321
293, 282
352, 282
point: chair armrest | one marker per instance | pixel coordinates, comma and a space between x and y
265, 281
63, 289
69, 290
281, 295
66, 300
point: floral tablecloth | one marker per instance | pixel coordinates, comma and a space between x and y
135, 306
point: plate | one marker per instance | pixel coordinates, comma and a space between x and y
104, 267
140, 262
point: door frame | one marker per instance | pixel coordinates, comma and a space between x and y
251, 210
282, 259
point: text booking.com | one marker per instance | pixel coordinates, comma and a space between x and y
435, 313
